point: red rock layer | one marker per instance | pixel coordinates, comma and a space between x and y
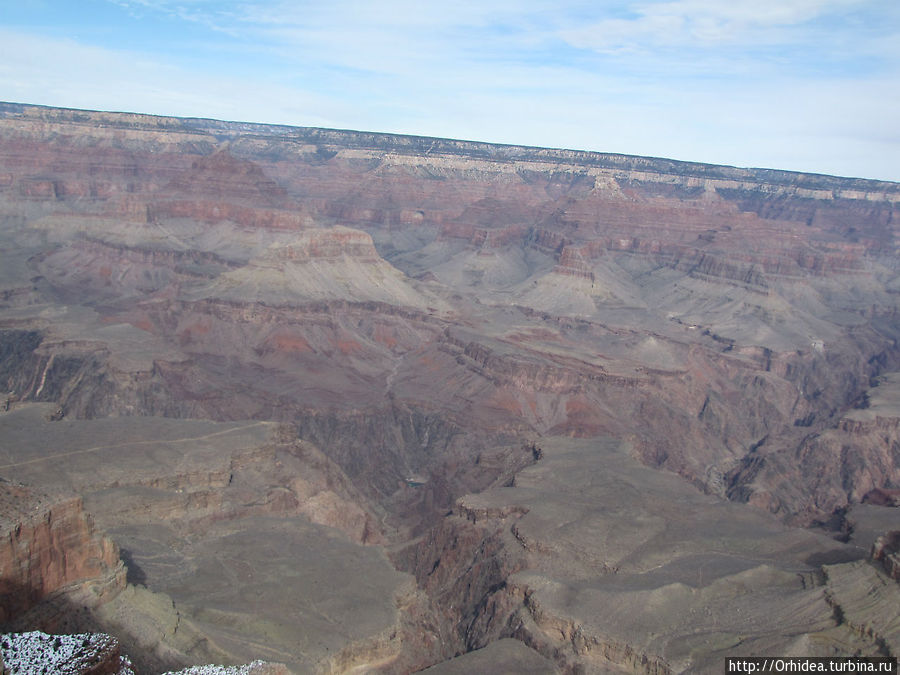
47, 544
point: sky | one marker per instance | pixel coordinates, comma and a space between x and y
805, 85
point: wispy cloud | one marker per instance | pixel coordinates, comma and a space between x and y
792, 84
709, 23
48, 71
747, 38
217, 16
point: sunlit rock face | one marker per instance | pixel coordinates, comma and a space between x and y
414, 319
49, 543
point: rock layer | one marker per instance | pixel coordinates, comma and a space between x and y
49, 544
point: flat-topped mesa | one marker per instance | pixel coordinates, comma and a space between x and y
546, 241
318, 265
334, 242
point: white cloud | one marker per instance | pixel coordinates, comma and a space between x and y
48, 71
498, 71
704, 23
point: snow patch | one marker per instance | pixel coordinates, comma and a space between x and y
38, 653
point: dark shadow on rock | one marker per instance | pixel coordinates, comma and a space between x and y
836, 556
59, 615
134, 574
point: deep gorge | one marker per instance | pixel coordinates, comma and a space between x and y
357, 401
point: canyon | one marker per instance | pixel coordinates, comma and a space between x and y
354, 402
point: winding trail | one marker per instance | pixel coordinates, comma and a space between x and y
98, 448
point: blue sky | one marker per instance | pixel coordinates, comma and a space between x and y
809, 85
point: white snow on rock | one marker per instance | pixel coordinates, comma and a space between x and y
36, 653
246, 669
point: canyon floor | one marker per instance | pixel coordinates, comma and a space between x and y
355, 402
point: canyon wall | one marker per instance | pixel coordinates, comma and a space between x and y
420, 316
48, 545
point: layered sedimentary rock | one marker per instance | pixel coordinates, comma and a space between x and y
850, 463
414, 319
48, 544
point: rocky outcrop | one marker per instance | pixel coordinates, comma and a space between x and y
47, 545
865, 601
463, 568
886, 550
854, 461
882, 497
333, 243
79, 654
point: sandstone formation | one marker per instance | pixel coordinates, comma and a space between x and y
49, 544
348, 400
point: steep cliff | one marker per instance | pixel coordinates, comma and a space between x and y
47, 545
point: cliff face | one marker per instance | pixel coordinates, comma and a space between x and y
423, 312
848, 463
887, 551
49, 544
